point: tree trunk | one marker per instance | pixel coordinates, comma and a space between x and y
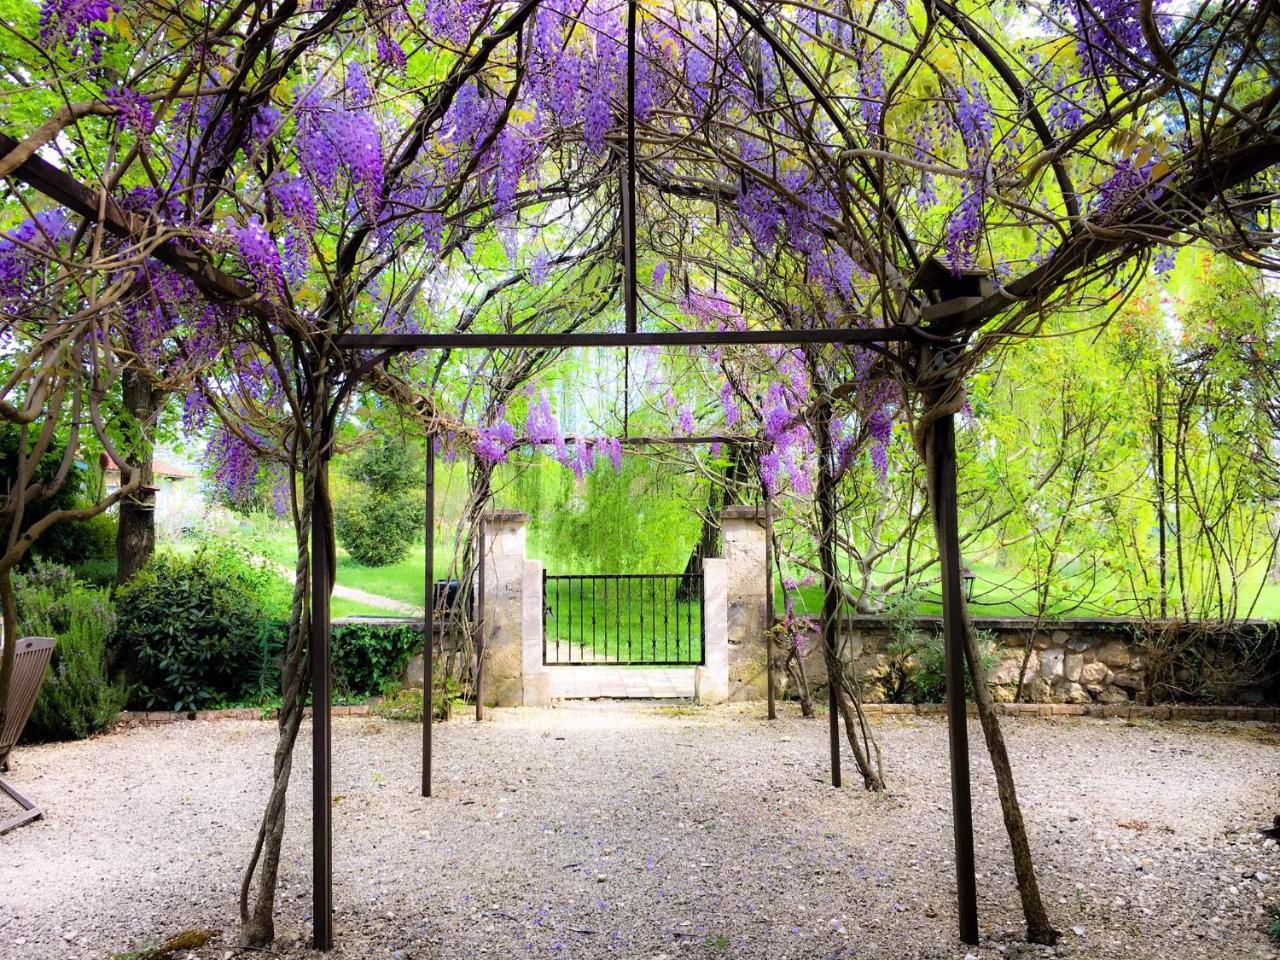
136, 534
1039, 929
719, 496
794, 667
257, 920
856, 730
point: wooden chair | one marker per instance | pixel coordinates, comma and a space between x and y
30, 664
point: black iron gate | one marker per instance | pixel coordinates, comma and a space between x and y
623, 619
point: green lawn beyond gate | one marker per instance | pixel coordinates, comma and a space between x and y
623, 619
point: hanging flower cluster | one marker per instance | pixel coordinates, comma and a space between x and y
70, 22
134, 111
973, 118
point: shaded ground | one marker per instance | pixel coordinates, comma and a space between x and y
638, 831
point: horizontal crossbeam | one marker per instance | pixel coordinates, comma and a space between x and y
665, 338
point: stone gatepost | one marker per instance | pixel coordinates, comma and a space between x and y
513, 670
504, 587
537, 676
711, 682
744, 531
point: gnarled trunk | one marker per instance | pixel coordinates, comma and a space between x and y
136, 534
843, 700
1039, 929
257, 919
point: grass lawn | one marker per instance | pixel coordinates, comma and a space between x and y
642, 621
995, 593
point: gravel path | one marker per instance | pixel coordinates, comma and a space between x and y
611, 830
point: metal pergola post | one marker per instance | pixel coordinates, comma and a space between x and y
944, 442
768, 609
480, 618
321, 720
429, 614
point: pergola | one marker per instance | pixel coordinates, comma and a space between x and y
955, 306
934, 337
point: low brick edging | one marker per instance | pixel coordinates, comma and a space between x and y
235, 713
1124, 711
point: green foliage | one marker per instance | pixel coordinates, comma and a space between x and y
101, 572
406, 704
378, 532
189, 629
387, 468
927, 680
91, 541
1273, 931
59, 543
77, 698
642, 520
906, 641
382, 515
369, 659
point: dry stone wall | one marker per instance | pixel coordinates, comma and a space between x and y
1103, 661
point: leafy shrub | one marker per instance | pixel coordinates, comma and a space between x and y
927, 676
384, 514
70, 544
100, 572
377, 531
386, 467
905, 642
77, 698
406, 705
369, 659
190, 628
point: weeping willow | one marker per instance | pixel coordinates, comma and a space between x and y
642, 520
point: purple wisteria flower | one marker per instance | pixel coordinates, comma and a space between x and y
613, 450
975, 123
1109, 35
133, 110
236, 465
687, 423
494, 442
67, 22
1130, 184
262, 257
541, 424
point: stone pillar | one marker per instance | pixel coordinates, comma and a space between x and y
504, 608
537, 677
744, 532
711, 682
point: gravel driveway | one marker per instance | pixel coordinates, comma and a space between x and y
610, 830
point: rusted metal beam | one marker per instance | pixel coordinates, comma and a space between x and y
665, 338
